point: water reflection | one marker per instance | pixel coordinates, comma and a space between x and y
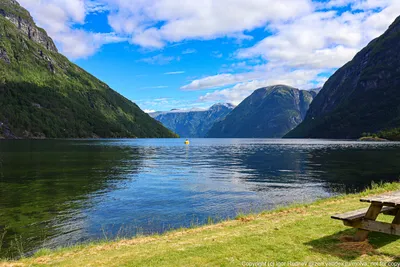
56, 193
45, 186
355, 169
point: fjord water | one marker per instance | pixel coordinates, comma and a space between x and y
62, 192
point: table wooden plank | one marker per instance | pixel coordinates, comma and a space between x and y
389, 199
394, 194
392, 202
360, 214
374, 226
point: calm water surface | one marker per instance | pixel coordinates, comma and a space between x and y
57, 193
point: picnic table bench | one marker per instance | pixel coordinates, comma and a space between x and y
365, 219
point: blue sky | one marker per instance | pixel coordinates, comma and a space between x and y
165, 54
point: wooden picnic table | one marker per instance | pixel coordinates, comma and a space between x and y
365, 219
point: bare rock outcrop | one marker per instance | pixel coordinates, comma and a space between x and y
12, 11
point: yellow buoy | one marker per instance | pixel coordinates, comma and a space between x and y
187, 142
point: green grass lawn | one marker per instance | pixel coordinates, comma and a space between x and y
303, 233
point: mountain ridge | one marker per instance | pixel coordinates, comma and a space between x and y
193, 123
268, 112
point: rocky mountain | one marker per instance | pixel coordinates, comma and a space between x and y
193, 123
44, 95
21, 18
269, 112
362, 96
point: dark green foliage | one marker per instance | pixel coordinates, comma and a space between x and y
390, 134
268, 112
362, 96
43, 95
194, 123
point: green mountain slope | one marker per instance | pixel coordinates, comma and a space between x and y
362, 96
268, 112
193, 123
44, 95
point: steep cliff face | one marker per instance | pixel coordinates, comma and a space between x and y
44, 95
268, 112
13, 12
193, 123
362, 96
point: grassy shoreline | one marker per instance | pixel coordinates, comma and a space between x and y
300, 233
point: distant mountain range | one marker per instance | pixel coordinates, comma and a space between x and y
44, 95
362, 96
194, 122
175, 110
269, 112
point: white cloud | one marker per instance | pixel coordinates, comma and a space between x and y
93, 6
81, 44
149, 110
333, 3
159, 59
148, 38
218, 81
58, 18
324, 39
319, 40
371, 4
217, 54
56, 15
355, 4
189, 51
187, 19
174, 72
